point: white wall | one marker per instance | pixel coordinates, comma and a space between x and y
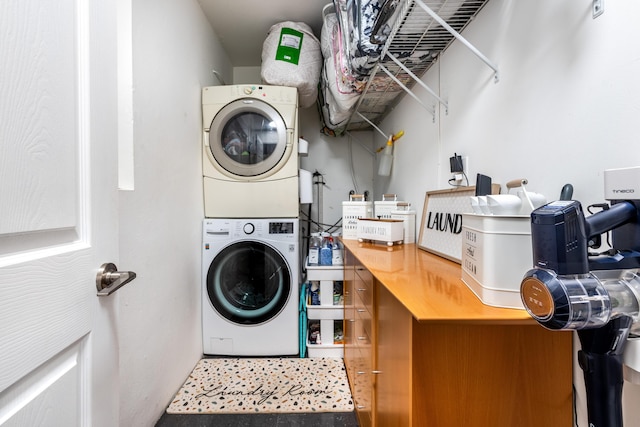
565, 108
245, 75
345, 162
174, 51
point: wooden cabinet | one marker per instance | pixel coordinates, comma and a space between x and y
393, 361
358, 350
422, 350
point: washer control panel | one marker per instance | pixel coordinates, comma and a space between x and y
248, 228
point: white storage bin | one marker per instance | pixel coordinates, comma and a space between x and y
388, 231
406, 214
327, 313
352, 210
328, 347
382, 208
496, 253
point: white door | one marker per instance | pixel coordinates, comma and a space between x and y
58, 206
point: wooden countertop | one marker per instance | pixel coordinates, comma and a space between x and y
429, 286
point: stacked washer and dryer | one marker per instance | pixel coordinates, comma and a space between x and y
250, 258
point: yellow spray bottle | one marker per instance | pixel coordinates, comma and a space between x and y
386, 159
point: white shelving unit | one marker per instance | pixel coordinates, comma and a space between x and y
421, 32
327, 313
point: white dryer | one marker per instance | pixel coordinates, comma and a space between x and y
250, 151
250, 287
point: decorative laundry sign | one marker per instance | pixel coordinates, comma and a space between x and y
441, 228
289, 46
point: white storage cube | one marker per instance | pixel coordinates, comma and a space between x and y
382, 210
407, 215
327, 347
351, 212
496, 253
388, 231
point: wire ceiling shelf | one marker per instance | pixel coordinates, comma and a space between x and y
422, 31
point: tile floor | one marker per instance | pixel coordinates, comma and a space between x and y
326, 419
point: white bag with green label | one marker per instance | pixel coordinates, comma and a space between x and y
291, 56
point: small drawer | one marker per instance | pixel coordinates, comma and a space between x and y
364, 274
363, 386
364, 293
363, 321
361, 333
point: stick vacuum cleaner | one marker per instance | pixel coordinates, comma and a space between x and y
597, 295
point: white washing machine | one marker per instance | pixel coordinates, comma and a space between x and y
250, 151
250, 287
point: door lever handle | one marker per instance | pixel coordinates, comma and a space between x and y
109, 279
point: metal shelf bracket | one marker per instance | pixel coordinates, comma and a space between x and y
418, 35
406, 89
420, 82
458, 36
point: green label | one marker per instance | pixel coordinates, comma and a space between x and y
289, 46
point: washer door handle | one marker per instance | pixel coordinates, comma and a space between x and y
109, 279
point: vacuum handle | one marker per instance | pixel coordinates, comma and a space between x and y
611, 218
603, 377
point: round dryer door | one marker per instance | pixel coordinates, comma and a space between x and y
248, 137
248, 282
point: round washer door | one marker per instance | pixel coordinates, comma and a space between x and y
248, 138
248, 283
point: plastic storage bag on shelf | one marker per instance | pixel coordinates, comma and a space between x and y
340, 88
360, 19
291, 56
329, 22
347, 82
344, 86
335, 115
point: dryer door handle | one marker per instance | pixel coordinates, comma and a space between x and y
289, 136
109, 279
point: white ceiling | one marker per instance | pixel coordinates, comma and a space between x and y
242, 25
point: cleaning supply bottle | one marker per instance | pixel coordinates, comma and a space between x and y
314, 293
336, 251
314, 249
326, 250
386, 159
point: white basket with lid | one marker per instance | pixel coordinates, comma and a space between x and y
382, 208
357, 207
496, 253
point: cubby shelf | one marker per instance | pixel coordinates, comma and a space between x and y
327, 313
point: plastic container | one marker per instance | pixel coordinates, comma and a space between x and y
326, 250
314, 293
336, 251
314, 249
386, 160
496, 253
